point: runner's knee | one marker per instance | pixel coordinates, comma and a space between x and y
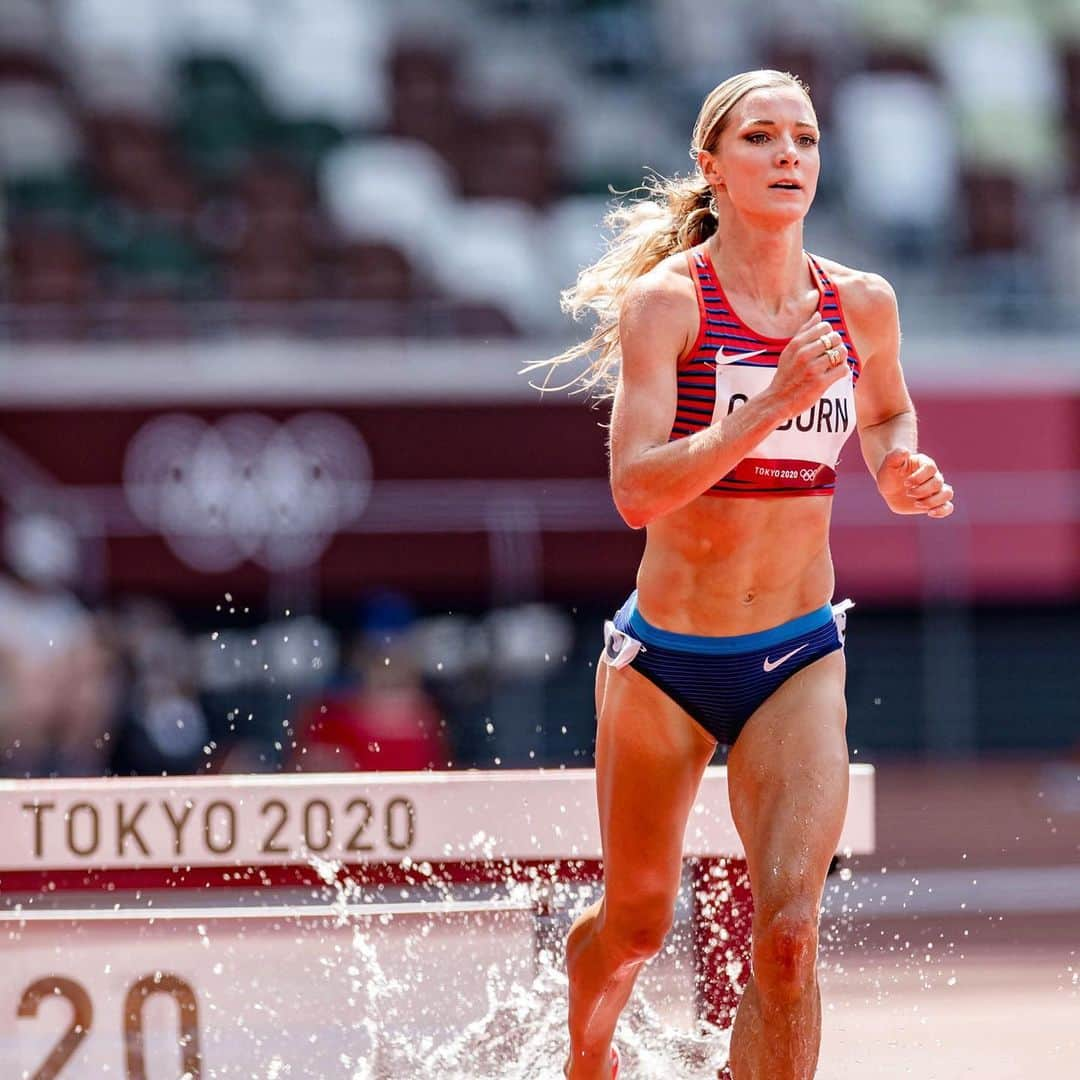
637, 931
785, 953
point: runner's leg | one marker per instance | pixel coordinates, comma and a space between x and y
650, 758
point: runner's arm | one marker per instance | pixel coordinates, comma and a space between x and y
650, 476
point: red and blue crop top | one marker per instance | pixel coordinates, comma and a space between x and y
729, 363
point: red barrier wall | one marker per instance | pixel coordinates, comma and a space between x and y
1013, 458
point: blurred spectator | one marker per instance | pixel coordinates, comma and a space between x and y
382, 718
56, 686
163, 728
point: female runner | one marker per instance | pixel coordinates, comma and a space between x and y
743, 364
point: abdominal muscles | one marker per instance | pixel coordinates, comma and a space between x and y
723, 566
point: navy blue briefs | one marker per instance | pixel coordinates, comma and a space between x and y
721, 681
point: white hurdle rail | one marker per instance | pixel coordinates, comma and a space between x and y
199, 882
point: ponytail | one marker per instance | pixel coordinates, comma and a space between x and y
658, 219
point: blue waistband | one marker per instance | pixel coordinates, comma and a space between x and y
716, 646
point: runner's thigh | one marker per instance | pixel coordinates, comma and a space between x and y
650, 757
788, 785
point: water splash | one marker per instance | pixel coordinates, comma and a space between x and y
396, 1022
522, 1036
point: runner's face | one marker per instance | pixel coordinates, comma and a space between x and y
766, 163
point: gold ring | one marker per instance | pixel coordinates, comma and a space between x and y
834, 356
825, 339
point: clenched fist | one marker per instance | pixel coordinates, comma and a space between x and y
912, 484
812, 361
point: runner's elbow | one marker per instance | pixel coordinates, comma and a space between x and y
633, 518
632, 507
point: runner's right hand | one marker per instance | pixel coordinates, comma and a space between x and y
804, 372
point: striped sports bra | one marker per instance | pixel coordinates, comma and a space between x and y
729, 363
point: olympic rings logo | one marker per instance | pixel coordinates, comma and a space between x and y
808, 476
247, 487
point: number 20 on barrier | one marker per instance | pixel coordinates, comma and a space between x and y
83, 1018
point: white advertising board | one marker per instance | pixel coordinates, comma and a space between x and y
226, 993
350, 818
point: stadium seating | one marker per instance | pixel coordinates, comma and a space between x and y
361, 166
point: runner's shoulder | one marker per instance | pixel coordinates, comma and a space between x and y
866, 297
665, 290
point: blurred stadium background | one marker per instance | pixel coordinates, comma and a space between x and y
273, 495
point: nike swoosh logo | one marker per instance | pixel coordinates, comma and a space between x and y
722, 358
772, 665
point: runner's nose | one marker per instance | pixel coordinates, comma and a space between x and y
788, 153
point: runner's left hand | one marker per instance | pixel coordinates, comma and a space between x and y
912, 484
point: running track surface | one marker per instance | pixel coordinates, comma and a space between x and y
1009, 1015
998, 997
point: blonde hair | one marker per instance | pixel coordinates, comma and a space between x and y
668, 215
